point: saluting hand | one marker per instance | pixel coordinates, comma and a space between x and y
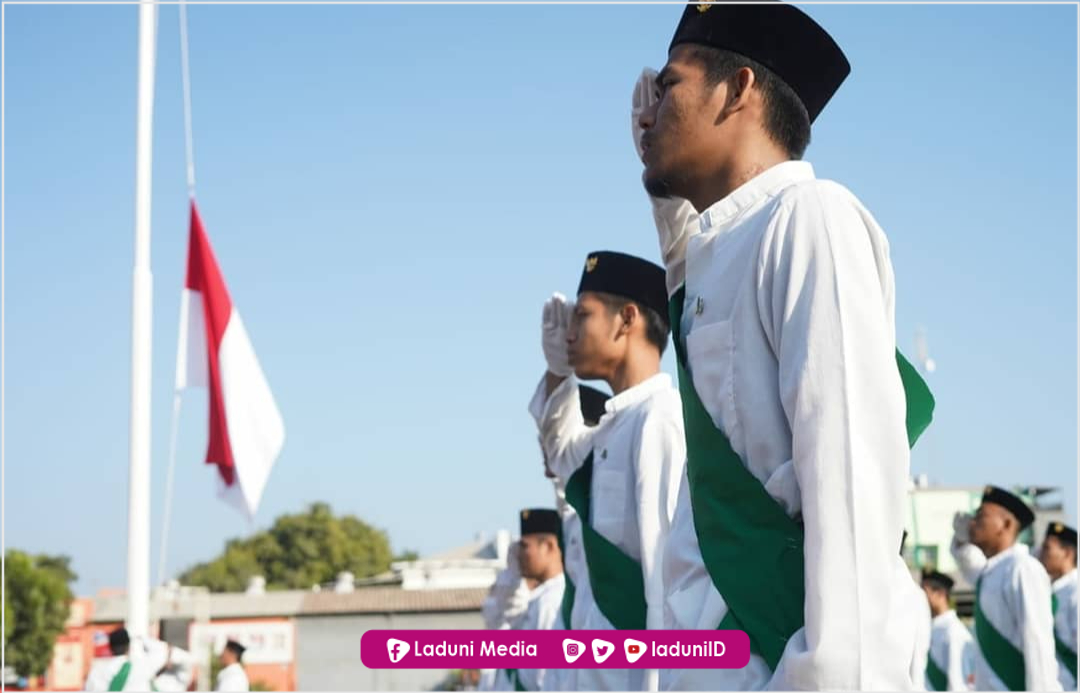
556, 322
644, 96
962, 527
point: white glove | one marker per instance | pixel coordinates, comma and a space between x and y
509, 596
644, 96
676, 220
556, 321
961, 524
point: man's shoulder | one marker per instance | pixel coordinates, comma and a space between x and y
814, 192
663, 405
1024, 566
823, 211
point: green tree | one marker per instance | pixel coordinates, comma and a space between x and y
37, 594
297, 552
9, 616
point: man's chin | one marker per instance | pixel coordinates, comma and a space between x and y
657, 186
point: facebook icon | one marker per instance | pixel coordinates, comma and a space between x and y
396, 649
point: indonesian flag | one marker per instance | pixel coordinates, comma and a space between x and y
246, 430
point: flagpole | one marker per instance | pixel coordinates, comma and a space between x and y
189, 151
138, 558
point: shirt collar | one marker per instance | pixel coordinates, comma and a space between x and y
638, 393
557, 582
943, 617
765, 184
1016, 549
1069, 577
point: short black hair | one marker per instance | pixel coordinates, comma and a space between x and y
236, 648
786, 119
656, 328
119, 641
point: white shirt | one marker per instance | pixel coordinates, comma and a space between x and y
920, 607
504, 608
1015, 599
545, 603
577, 572
791, 346
232, 678
147, 656
507, 600
953, 650
639, 456
179, 674
1065, 622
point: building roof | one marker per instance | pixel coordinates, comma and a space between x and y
189, 603
394, 600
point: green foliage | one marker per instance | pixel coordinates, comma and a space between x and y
297, 552
37, 600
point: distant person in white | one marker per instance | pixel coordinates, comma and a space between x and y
1014, 623
504, 606
1058, 555
232, 676
951, 665
541, 560
135, 664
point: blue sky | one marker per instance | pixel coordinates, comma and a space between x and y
393, 191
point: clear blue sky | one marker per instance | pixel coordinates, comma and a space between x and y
394, 191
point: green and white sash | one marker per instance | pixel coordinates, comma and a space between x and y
618, 586
752, 549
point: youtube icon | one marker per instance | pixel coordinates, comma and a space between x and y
634, 649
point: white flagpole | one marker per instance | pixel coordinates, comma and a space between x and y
138, 566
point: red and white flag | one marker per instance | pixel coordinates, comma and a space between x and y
246, 430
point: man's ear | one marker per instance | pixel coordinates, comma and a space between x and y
736, 93
629, 314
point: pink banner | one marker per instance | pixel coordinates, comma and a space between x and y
555, 649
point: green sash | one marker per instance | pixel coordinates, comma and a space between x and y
739, 525
567, 607
118, 681
1065, 654
1003, 657
617, 584
935, 676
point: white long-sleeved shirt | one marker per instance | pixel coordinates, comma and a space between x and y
504, 608
232, 678
789, 325
576, 571
1065, 622
545, 603
507, 600
953, 650
147, 656
921, 646
1015, 598
179, 673
639, 456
